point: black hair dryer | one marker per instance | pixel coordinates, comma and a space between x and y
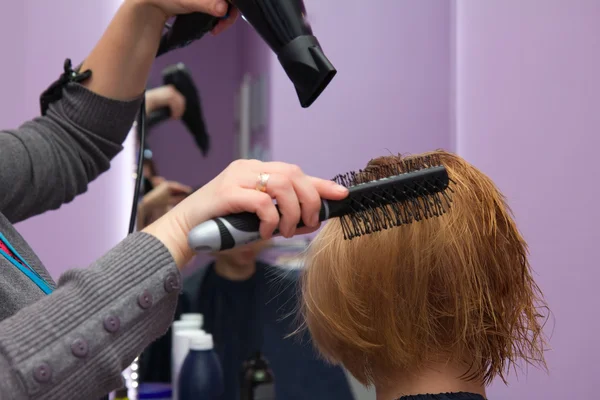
179, 76
282, 25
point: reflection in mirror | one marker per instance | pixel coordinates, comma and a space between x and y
243, 295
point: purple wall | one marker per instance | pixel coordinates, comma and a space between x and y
83, 230
528, 115
497, 80
12, 100
256, 63
214, 62
391, 93
217, 65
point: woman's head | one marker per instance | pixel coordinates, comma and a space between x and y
454, 287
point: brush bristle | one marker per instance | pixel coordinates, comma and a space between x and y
422, 199
393, 168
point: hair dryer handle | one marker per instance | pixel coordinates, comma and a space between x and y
158, 116
186, 29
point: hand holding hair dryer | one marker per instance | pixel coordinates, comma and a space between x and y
179, 76
283, 26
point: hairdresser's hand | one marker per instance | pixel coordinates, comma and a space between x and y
165, 194
234, 191
159, 200
165, 96
217, 8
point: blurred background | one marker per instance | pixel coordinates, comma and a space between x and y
511, 85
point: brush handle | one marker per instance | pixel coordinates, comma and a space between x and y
234, 230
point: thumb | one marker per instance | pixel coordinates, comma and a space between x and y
220, 8
329, 190
217, 8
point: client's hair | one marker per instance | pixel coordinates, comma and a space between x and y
459, 285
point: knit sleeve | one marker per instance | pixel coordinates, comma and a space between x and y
75, 342
48, 161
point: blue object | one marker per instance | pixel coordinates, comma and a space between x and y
201, 376
229, 308
156, 391
24, 267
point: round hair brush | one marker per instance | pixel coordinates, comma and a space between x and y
380, 197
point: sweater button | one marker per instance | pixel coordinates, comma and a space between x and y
145, 300
112, 324
42, 373
79, 348
171, 283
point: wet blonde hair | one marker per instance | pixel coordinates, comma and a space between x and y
457, 285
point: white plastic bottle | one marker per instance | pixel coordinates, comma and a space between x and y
180, 347
193, 317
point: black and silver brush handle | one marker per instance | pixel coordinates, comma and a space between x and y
234, 230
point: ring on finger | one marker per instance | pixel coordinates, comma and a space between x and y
262, 181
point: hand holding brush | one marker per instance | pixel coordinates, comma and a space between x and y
388, 196
249, 186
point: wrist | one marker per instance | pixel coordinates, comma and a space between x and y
150, 105
149, 12
122, 59
173, 237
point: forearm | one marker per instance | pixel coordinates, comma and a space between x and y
122, 59
50, 160
92, 326
172, 235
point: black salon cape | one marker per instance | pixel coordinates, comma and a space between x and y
233, 312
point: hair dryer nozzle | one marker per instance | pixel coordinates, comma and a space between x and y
282, 24
307, 67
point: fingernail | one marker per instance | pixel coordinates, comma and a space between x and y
221, 7
314, 221
340, 188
